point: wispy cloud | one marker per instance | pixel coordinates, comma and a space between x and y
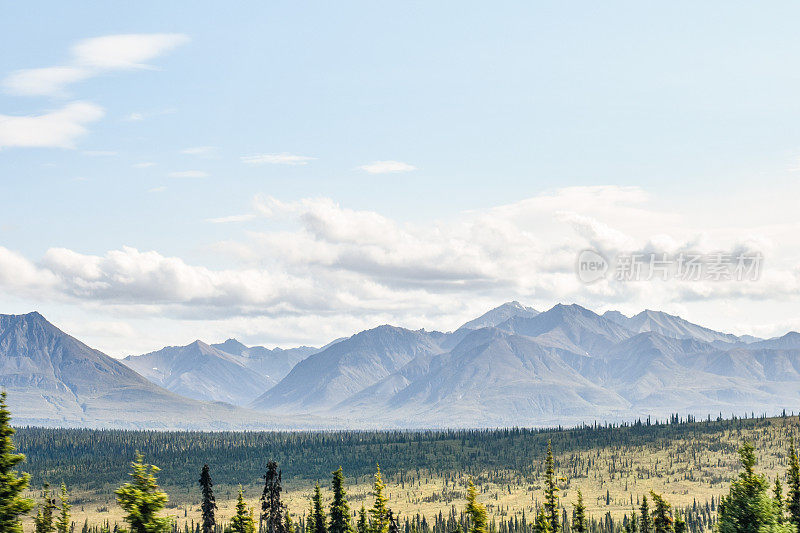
276, 159
231, 218
188, 174
157, 189
387, 167
144, 164
199, 150
56, 129
99, 153
91, 57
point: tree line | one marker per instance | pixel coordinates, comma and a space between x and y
752, 505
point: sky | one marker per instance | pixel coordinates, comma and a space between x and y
292, 172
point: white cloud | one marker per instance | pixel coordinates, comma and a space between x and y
313, 261
276, 159
387, 167
91, 57
144, 164
48, 81
60, 128
188, 174
134, 117
157, 189
199, 150
99, 153
126, 51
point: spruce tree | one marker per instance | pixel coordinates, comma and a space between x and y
645, 521
242, 521
310, 526
64, 519
680, 524
579, 524
542, 524
777, 495
340, 510
379, 512
320, 522
43, 521
662, 516
209, 504
288, 523
748, 508
551, 491
475, 511
362, 526
793, 483
12, 484
271, 506
142, 499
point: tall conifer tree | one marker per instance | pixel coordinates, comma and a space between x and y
551, 491
662, 516
793, 483
320, 522
645, 521
271, 506
12, 484
475, 510
379, 512
209, 504
579, 524
340, 510
64, 522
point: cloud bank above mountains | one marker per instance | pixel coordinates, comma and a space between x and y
309, 270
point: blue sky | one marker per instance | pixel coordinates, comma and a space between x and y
160, 139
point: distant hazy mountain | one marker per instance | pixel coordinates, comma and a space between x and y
274, 363
670, 326
346, 368
565, 365
500, 314
54, 379
201, 372
510, 366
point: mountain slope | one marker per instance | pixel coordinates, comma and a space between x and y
53, 379
346, 368
201, 372
669, 326
273, 364
500, 314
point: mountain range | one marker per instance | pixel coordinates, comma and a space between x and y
512, 366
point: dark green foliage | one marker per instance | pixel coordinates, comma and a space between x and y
12, 484
320, 522
748, 507
340, 510
542, 522
680, 524
209, 504
777, 495
63, 523
142, 499
271, 506
43, 521
362, 526
551, 491
793, 482
475, 511
579, 524
645, 520
662, 515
